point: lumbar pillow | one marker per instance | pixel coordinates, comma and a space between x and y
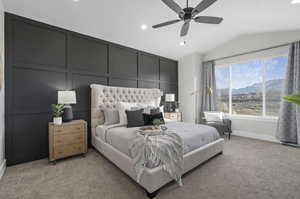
111, 116
122, 107
135, 118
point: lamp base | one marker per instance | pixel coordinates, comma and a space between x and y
68, 114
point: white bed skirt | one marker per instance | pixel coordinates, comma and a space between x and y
153, 179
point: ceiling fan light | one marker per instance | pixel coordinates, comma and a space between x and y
182, 43
144, 27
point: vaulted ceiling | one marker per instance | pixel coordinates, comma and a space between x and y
120, 20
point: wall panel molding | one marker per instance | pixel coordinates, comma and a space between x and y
41, 59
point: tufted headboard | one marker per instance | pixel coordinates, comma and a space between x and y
107, 96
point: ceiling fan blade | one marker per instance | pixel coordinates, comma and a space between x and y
185, 28
166, 23
174, 6
209, 20
202, 6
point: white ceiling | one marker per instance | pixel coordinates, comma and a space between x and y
119, 21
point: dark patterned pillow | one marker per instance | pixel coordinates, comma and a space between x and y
155, 110
148, 118
135, 118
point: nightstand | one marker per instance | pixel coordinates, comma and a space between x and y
174, 116
67, 139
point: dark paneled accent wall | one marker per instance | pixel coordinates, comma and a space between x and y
41, 59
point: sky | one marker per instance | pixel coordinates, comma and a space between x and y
249, 73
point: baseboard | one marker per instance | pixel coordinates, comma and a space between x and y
2, 168
268, 138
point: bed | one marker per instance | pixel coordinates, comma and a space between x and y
112, 141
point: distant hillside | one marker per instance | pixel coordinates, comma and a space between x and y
274, 85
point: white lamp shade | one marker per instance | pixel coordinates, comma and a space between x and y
66, 97
170, 97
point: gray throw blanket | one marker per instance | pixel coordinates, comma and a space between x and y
165, 149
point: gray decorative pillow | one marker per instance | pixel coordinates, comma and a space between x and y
135, 118
111, 116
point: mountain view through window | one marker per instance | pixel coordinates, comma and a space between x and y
255, 86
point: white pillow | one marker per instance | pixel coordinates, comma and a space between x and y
144, 105
122, 107
111, 116
161, 109
147, 107
212, 116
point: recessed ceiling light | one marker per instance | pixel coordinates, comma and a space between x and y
182, 43
76, 0
295, 1
144, 27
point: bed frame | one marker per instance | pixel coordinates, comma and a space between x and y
152, 179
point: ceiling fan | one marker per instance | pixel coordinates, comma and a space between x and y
188, 14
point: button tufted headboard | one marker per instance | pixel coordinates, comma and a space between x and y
107, 96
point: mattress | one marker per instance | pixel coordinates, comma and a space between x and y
193, 135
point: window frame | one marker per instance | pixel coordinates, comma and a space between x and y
262, 61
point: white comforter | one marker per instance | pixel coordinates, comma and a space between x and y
193, 135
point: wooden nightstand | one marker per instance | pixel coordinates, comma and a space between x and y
175, 116
67, 139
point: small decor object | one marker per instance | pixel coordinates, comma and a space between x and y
157, 123
149, 131
57, 111
67, 98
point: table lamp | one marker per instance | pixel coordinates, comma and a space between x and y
170, 98
67, 98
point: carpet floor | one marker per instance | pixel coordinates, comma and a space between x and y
248, 169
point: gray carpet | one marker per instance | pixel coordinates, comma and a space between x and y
248, 169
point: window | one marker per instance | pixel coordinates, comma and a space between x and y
274, 80
251, 88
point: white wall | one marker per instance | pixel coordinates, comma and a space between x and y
258, 128
247, 126
2, 160
251, 42
188, 71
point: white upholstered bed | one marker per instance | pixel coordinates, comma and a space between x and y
152, 179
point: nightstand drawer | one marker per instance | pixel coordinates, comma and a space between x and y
64, 139
176, 116
173, 116
68, 150
60, 129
